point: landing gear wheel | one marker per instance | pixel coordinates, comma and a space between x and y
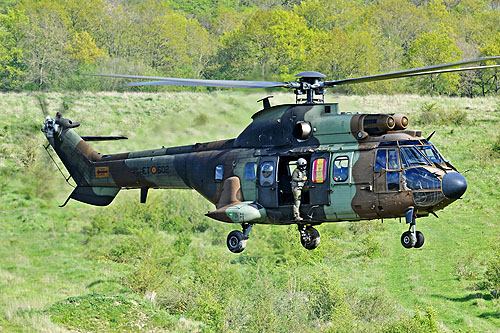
309, 237
420, 240
408, 240
236, 241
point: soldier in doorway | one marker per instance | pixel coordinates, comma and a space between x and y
299, 180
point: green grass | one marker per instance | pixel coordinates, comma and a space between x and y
164, 266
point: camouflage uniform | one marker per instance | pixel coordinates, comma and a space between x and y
299, 179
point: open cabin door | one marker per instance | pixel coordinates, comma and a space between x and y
319, 179
267, 181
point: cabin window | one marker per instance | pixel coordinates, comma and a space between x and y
319, 170
267, 173
341, 169
250, 171
380, 160
219, 172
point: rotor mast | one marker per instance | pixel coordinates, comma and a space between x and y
311, 85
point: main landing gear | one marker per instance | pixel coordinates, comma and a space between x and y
309, 237
412, 237
237, 240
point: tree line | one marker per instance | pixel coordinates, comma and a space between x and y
48, 44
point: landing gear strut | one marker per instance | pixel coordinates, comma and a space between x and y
237, 240
412, 237
309, 237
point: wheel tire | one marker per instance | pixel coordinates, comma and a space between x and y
236, 241
408, 240
310, 238
420, 240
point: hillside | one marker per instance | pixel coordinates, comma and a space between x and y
164, 266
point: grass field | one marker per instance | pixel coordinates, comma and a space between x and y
164, 266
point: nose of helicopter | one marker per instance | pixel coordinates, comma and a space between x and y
454, 185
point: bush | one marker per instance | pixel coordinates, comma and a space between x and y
466, 268
431, 114
166, 213
492, 274
420, 323
495, 147
371, 247
95, 312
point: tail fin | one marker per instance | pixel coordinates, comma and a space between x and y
78, 158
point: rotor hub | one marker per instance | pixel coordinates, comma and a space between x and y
310, 84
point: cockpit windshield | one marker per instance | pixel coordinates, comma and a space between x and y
431, 153
411, 156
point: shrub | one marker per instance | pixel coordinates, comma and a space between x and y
495, 147
466, 268
201, 119
492, 274
431, 114
420, 323
95, 312
371, 247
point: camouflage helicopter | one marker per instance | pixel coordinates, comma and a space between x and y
359, 166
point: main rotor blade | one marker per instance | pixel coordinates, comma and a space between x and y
405, 73
453, 70
173, 81
213, 83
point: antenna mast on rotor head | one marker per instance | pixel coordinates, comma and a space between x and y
310, 85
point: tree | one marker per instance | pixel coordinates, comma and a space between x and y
489, 79
267, 45
83, 49
341, 55
45, 37
169, 42
431, 48
12, 66
327, 15
399, 21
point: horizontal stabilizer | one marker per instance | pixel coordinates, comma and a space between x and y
103, 138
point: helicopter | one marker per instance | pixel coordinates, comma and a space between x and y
359, 166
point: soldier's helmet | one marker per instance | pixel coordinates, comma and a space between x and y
301, 163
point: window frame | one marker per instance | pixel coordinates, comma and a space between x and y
250, 167
314, 170
273, 174
334, 169
219, 172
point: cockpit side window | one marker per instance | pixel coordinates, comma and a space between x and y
411, 156
392, 159
380, 160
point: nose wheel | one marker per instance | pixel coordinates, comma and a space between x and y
412, 237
